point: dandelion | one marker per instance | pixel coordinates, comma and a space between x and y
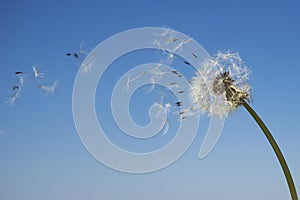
220, 87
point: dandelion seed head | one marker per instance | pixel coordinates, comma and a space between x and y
220, 85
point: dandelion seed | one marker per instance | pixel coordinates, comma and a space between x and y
183, 117
129, 81
80, 52
36, 73
153, 84
195, 55
21, 78
48, 88
170, 57
81, 49
174, 85
87, 67
167, 107
180, 44
12, 100
157, 72
178, 103
177, 73
76, 55
186, 62
15, 88
169, 35
163, 110
21, 81
88, 64
157, 44
13, 97
138, 76
187, 112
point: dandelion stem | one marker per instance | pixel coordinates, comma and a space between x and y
276, 149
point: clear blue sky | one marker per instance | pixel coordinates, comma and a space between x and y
41, 155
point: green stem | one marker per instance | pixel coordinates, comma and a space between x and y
276, 149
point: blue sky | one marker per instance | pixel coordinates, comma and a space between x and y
41, 154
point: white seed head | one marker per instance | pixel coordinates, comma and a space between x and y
220, 85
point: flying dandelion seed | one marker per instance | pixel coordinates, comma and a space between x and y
171, 43
186, 62
173, 85
48, 88
138, 76
13, 96
15, 88
88, 64
168, 34
21, 77
157, 72
81, 49
130, 80
180, 44
21, 81
78, 54
153, 85
164, 112
37, 73
178, 103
